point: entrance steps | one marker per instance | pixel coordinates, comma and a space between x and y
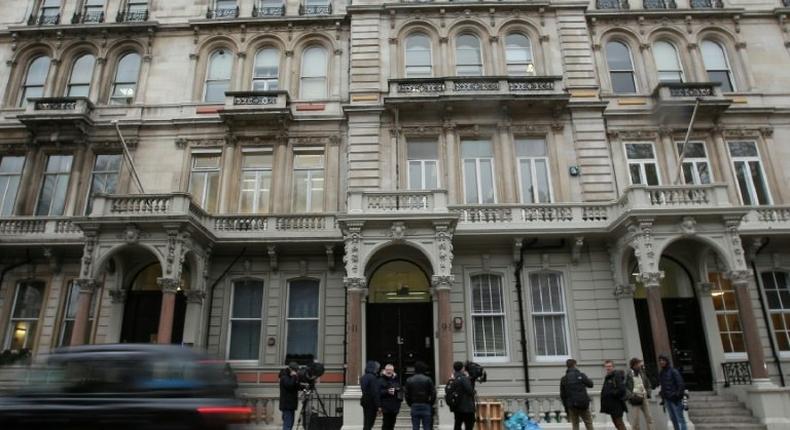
711, 411
404, 418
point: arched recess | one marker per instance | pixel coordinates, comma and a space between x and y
20, 65
205, 52
405, 250
633, 43
528, 29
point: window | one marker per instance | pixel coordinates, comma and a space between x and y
548, 315
125, 85
715, 59
246, 318
104, 178
94, 11
314, 66
136, 10
267, 70
35, 79
10, 175
696, 169
518, 55
256, 183
220, 64
621, 68
488, 317
667, 62
726, 307
533, 171
308, 191
478, 164
50, 10
204, 180
423, 164
749, 173
26, 311
302, 344
418, 56
468, 59
642, 164
70, 312
52, 199
777, 293
81, 76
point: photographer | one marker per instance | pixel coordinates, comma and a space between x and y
371, 397
390, 397
465, 411
289, 394
420, 396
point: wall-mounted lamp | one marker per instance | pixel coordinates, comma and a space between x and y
574, 171
270, 341
458, 323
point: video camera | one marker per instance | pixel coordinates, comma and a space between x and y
309, 374
477, 373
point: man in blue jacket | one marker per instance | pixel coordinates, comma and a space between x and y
371, 395
672, 389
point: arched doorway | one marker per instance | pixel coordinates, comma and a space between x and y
400, 317
684, 325
143, 306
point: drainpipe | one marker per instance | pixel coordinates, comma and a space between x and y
211, 294
522, 325
766, 318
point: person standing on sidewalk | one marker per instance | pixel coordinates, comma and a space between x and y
465, 411
391, 394
573, 393
638, 387
289, 394
420, 396
672, 389
613, 394
371, 397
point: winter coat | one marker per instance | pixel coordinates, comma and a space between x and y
629, 382
672, 386
369, 383
573, 390
390, 402
289, 391
420, 389
612, 394
466, 405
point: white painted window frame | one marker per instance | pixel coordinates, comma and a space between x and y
695, 162
641, 162
318, 318
261, 319
750, 184
502, 314
534, 178
258, 173
564, 314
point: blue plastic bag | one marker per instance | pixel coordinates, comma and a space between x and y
520, 421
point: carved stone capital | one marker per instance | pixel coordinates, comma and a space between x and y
739, 278
195, 296
86, 285
357, 283
442, 281
168, 285
651, 279
624, 291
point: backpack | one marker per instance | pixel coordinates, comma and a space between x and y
452, 395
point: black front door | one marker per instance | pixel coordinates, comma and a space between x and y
686, 338
141, 317
400, 334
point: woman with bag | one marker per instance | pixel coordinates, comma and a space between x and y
613, 394
638, 387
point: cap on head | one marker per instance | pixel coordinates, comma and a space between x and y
293, 365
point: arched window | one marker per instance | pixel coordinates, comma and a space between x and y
314, 66
418, 56
124, 86
715, 58
667, 62
518, 55
468, 60
220, 64
266, 73
35, 79
81, 76
621, 68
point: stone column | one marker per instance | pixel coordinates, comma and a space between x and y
142, 83
510, 191
169, 287
443, 66
80, 332
754, 348
701, 74
117, 303
649, 65
286, 74
355, 289
241, 61
743, 56
52, 78
442, 285
192, 325
658, 324
494, 49
452, 149
96, 80
625, 301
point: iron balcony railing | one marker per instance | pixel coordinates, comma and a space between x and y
88, 17
315, 9
263, 10
132, 16
43, 19
222, 13
707, 4
659, 4
737, 373
612, 4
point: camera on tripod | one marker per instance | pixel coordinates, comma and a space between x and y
309, 374
477, 373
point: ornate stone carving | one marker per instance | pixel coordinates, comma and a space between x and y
444, 244
688, 226
739, 278
182, 143
517, 246
624, 291
168, 285
641, 239
195, 296
131, 235
436, 86
651, 279
442, 281
86, 285
398, 231
352, 237
87, 254
576, 250
271, 250
330, 256
354, 283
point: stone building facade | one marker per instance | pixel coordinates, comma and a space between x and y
509, 182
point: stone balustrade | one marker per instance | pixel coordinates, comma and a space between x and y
545, 408
416, 88
677, 196
412, 201
39, 228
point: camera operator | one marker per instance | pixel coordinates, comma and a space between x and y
289, 394
390, 397
465, 411
371, 397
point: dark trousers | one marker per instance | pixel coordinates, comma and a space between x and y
388, 420
465, 419
288, 419
421, 414
370, 417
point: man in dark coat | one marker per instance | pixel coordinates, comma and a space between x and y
465, 411
573, 393
672, 389
420, 396
389, 387
289, 394
371, 395
613, 394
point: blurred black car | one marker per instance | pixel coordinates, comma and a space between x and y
124, 387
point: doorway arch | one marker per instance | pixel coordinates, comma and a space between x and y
142, 308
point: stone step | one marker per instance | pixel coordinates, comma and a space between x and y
733, 426
724, 419
708, 412
716, 404
706, 397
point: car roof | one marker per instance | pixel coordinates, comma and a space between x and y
136, 349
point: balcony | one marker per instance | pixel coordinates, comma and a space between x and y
30, 230
659, 4
397, 202
766, 220
315, 9
88, 17
263, 10
223, 13
256, 106
132, 16
44, 19
706, 4
64, 114
475, 89
612, 4
678, 98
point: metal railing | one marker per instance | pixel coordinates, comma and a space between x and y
737, 373
132, 16
707, 4
222, 13
612, 4
43, 19
88, 17
325, 9
659, 4
263, 10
